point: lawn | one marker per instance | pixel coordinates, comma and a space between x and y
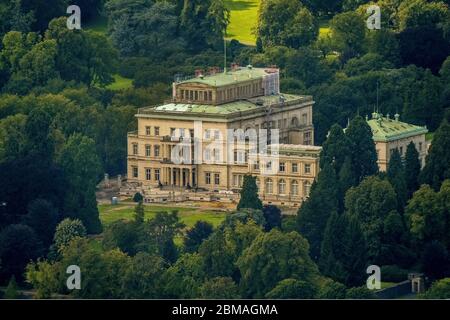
120, 83
189, 216
243, 20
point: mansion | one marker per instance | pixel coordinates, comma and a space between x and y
219, 126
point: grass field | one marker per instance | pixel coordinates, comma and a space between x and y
243, 20
189, 216
120, 83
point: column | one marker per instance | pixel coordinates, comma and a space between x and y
171, 175
190, 177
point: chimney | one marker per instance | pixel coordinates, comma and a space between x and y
397, 117
213, 70
198, 73
234, 66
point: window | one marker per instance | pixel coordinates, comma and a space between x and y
307, 188
134, 171
157, 174
207, 134
307, 168
207, 154
182, 132
269, 186
240, 157
172, 132
294, 122
279, 124
156, 131
420, 146
148, 150
148, 174
269, 165
256, 165
216, 153
216, 134
282, 186
294, 167
135, 148
294, 188
191, 133
156, 151
147, 130
401, 151
307, 140
237, 180
216, 178
208, 178
282, 167
304, 118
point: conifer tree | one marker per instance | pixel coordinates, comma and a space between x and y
335, 149
362, 149
314, 213
11, 291
249, 194
396, 176
412, 169
437, 166
139, 213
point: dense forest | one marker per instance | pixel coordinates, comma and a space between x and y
63, 124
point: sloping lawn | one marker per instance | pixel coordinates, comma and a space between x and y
189, 216
243, 20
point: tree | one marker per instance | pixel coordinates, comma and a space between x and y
83, 56
203, 23
126, 236
366, 63
396, 176
285, 23
161, 230
335, 148
363, 153
184, 278
425, 216
315, 211
435, 260
249, 194
196, 235
138, 197
292, 289
330, 289
370, 203
11, 291
67, 230
272, 215
272, 257
359, 293
143, 278
139, 213
437, 164
385, 44
18, 245
419, 13
348, 34
82, 167
414, 41
439, 290
412, 169
219, 288
42, 217
344, 252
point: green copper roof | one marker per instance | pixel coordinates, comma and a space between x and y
224, 109
387, 129
230, 77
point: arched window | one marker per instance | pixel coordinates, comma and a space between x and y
281, 186
294, 188
307, 188
269, 186
294, 122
